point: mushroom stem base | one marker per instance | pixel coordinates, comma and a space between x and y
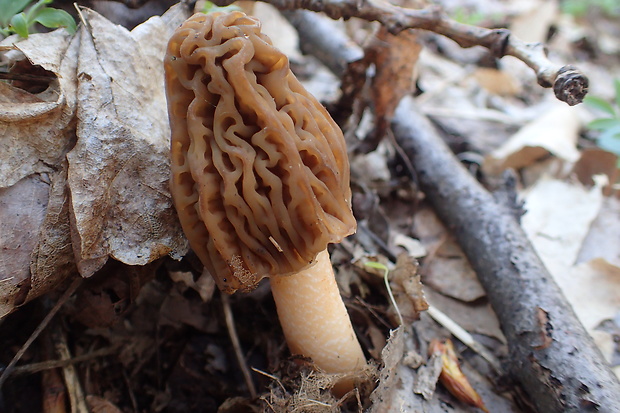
315, 321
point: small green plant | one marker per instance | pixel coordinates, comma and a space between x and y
20, 16
609, 125
386, 271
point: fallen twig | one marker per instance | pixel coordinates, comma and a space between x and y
54, 364
568, 83
234, 338
77, 396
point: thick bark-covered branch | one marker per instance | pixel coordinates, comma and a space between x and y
551, 355
568, 83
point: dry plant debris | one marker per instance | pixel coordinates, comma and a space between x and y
84, 191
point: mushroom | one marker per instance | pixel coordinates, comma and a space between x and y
260, 179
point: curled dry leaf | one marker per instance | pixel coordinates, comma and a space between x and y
395, 58
393, 375
36, 130
111, 198
407, 288
119, 168
452, 377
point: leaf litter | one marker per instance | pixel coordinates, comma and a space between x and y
104, 111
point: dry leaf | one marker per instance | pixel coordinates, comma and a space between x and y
393, 392
52, 259
533, 23
119, 169
395, 58
111, 198
497, 82
558, 232
596, 161
408, 288
22, 211
452, 377
204, 285
476, 317
559, 235
554, 132
603, 239
426, 379
36, 131
449, 272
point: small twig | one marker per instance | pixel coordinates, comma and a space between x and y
54, 364
9, 369
75, 391
234, 338
466, 338
568, 83
271, 376
373, 312
132, 394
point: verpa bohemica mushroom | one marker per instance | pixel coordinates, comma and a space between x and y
260, 179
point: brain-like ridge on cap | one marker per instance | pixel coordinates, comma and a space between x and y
260, 175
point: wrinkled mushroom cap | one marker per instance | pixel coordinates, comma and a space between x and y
260, 175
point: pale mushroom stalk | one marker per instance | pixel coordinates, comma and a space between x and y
314, 319
260, 180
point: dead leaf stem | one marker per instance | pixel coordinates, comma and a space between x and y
234, 338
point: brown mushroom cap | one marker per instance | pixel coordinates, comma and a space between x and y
260, 175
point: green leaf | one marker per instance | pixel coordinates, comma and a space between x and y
9, 8
54, 18
604, 123
19, 25
34, 10
610, 140
600, 104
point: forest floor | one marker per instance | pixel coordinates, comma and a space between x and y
147, 331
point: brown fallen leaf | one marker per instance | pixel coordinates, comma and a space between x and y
119, 168
395, 58
22, 211
554, 132
407, 288
452, 377
111, 198
36, 129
